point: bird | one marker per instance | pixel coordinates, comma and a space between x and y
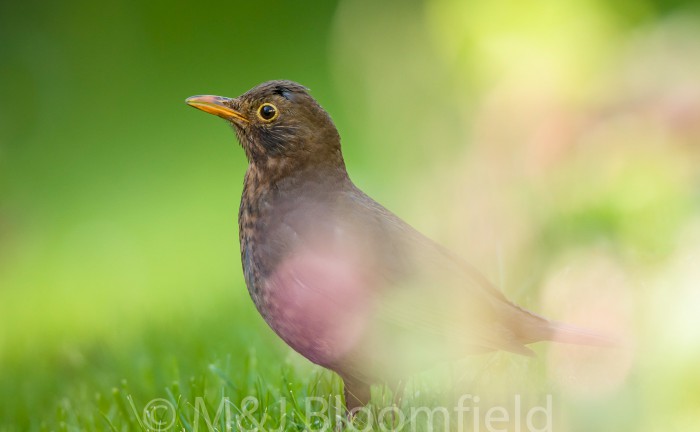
342, 280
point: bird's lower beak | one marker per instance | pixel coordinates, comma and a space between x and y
217, 105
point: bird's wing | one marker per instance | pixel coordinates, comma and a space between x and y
419, 302
429, 290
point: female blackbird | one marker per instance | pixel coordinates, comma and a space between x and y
341, 279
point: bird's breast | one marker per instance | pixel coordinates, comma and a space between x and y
305, 269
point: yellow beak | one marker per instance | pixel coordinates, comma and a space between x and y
217, 105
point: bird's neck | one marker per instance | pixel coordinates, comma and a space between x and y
282, 173
266, 190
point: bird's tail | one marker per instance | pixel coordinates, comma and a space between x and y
570, 334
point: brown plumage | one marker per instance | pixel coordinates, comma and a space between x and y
341, 279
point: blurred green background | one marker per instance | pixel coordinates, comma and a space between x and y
553, 144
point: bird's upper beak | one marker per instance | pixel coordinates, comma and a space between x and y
217, 105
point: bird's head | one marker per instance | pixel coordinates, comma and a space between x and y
279, 125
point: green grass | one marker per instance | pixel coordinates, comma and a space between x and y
186, 365
105, 383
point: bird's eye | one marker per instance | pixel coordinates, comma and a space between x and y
267, 112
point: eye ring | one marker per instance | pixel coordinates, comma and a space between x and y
268, 112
